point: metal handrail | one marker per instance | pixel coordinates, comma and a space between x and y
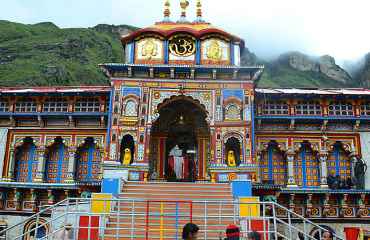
203, 206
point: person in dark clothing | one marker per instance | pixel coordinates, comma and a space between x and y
360, 169
332, 181
190, 231
254, 235
190, 170
232, 232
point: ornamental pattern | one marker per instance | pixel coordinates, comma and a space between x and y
140, 152
307, 127
112, 151
247, 113
201, 96
219, 114
339, 127
275, 127
134, 176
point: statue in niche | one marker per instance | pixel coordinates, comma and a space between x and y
231, 158
127, 157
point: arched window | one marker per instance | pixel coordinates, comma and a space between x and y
115, 108
141, 138
308, 107
340, 108
232, 113
26, 104
143, 110
55, 104
116, 97
87, 104
144, 97
130, 110
115, 120
275, 107
142, 122
4, 105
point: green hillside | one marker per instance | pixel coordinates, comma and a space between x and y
45, 55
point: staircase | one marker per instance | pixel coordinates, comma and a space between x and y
170, 206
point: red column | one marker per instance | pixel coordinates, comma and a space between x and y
161, 150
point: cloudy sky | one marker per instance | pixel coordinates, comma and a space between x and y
338, 28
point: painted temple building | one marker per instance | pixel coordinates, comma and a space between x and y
181, 95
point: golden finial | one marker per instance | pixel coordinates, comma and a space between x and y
199, 13
167, 12
183, 5
199, 10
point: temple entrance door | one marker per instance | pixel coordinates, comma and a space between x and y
178, 142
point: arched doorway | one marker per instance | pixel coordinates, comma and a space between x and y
179, 138
233, 144
30, 227
127, 143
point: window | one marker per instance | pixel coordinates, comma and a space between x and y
308, 107
144, 98
143, 110
107, 106
4, 105
55, 104
87, 104
365, 109
341, 108
26, 104
130, 110
232, 113
275, 107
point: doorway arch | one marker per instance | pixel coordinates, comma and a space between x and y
181, 124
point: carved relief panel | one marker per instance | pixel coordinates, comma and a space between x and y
215, 51
149, 50
181, 49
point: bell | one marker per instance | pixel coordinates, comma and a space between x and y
181, 120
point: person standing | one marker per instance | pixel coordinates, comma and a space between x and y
190, 231
327, 236
254, 235
300, 236
63, 231
232, 232
360, 169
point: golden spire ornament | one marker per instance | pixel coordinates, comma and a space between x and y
183, 5
199, 18
167, 12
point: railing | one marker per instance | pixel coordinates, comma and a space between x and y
109, 219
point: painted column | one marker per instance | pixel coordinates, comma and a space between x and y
258, 172
41, 162
291, 183
72, 159
161, 151
323, 156
11, 166
202, 156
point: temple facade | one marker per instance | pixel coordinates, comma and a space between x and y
181, 96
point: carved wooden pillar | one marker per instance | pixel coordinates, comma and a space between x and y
41, 162
323, 156
72, 159
12, 159
289, 155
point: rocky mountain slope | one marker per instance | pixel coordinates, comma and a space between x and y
45, 55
